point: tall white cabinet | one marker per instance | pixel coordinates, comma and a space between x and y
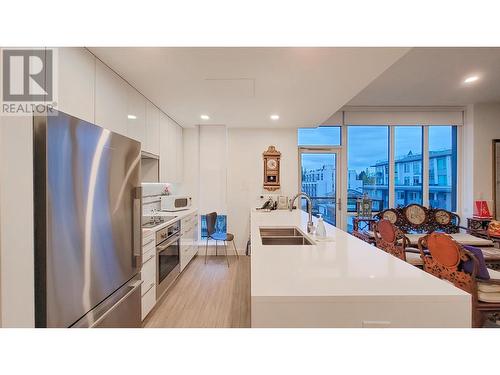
111, 100
76, 82
171, 150
136, 115
152, 144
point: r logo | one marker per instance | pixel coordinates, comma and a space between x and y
27, 75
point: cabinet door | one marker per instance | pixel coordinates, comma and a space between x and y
110, 99
152, 129
172, 152
76, 82
179, 172
136, 115
164, 147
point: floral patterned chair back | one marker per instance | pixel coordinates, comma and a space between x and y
390, 239
443, 259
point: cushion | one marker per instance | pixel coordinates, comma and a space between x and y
414, 259
490, 288
489, 297
443, 249
482, 271
386, 230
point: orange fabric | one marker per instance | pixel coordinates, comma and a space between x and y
386, 230
494, 228
443, 249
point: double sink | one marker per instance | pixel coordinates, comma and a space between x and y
283, 236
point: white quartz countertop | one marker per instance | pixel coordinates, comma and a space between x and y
342, 265
177, 215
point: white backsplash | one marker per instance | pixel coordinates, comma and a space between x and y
151, 193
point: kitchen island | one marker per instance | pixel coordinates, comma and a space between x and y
343, 282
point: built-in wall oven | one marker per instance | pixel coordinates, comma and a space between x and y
167, 257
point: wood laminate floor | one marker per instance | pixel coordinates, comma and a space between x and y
206, 296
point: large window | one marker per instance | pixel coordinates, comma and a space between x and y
367, 165
443, 167
320, 136
407, 165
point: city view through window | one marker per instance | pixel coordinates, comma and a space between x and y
368, 167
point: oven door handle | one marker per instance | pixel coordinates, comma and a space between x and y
159, 249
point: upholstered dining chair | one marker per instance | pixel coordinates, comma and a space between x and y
212, 234
464, 267
393, 241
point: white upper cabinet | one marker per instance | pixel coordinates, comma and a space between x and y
164, 146
136, 115
171, 149
111, 100
179, 144
152, 129
76, 82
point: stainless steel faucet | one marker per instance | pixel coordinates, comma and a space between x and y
310, 225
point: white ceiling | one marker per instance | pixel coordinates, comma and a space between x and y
434, 77
242, 87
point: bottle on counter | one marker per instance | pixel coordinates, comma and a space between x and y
320, 227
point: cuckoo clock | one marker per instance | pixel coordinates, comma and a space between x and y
272, 168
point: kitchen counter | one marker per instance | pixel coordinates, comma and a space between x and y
178, 216
344, 282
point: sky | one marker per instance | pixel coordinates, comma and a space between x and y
369, 144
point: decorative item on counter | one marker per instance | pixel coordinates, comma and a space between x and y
268, 205
167, 190
282, 202
272, 159
320, 227
482, 209
494, 228
364, 207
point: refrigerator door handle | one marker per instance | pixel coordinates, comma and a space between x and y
136, 227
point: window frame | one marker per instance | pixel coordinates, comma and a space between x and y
424, 167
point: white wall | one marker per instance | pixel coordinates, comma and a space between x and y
213, 169
482, 125
16, 222
245, 173
191, 155
486, 128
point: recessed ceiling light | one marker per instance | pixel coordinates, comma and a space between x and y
275, 117
132, 117
471, 79
205, 117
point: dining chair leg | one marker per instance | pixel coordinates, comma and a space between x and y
236, 251
206, 248
227, 257
216, 248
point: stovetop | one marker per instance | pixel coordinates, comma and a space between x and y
151, 222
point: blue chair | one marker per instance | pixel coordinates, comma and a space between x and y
212, 234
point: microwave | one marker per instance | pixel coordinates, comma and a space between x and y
175, 202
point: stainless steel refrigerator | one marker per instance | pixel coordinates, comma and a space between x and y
87, 225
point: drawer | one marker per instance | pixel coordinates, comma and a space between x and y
147, 246
148, 275
148, 302
150, 254
147, 238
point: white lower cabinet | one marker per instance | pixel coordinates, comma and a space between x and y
189, 244
148, 302
148, 277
